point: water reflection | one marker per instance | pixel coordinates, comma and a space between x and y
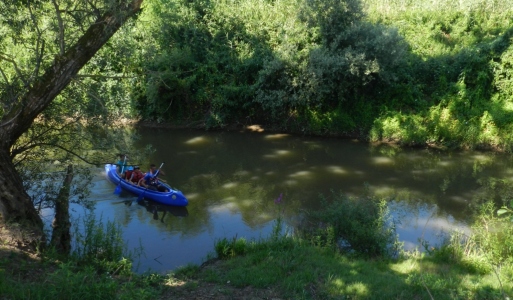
232, 178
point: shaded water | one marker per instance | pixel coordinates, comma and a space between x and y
232, 178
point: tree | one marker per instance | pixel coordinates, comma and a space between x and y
35, 68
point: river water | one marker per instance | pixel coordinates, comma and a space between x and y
232, 178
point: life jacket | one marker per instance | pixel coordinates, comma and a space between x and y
136, 177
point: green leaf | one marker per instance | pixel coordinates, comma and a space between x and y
502, 211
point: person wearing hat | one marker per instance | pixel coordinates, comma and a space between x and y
135, 175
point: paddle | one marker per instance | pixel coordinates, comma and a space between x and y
117, 191
141, 196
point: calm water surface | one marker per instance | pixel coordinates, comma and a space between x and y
231, 180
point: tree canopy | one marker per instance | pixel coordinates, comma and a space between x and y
44, 46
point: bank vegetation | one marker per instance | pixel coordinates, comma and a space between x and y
349, 250
411, 72
405, 71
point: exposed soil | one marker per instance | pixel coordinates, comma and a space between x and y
203, 291
199, 290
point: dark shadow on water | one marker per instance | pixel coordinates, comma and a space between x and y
159, 211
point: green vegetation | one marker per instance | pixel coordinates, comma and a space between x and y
410, 72
286, 266
360, 224
460, 53
478, 266
99, 268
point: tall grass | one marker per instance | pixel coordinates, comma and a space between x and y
311, 266
358, 225
99, 268
102, 244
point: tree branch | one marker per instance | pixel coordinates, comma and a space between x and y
61, 27
65, 150
59, 74
104, 77
74, 154
18, 71
39, 54
39, 58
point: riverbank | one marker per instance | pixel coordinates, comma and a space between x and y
289, 271
363, 138
30, 275
311, 264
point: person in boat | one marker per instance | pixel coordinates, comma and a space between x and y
121, 164
135, 175
151, 179
128, 173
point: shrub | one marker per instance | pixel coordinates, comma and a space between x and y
488, 246
359, 224
493, 235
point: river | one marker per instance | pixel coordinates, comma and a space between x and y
232, 178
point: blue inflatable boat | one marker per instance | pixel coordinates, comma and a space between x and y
171, 197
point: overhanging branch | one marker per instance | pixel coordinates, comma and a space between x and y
104, 77
69, 152
63, 69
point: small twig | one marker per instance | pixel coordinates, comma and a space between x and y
157, 259
114, 273
104, 76
15, 66
422, 280
11, 120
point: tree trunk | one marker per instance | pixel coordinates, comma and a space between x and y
61, 238
18, 218
16, 207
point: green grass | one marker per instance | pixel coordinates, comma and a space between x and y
293, 267
98, 268
66, 281
479, 266
302, 271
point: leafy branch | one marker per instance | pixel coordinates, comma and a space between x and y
506, 211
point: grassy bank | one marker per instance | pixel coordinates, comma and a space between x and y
282, 270
323, 260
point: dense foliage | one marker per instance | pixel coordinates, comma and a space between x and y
280, 63
409, 72
78, 125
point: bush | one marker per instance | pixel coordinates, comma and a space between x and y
489, 246
493, 235
361, 225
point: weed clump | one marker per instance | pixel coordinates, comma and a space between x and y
357, 225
